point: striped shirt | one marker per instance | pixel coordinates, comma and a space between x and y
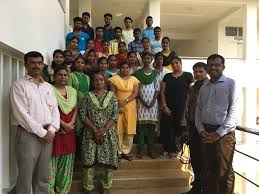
135, 46
217, 104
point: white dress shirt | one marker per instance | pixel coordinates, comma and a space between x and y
34, 106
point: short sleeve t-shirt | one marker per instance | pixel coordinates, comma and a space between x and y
177, 89
83, 37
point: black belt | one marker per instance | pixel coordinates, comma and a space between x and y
46, 127
209, 127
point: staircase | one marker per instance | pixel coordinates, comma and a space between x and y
145, 176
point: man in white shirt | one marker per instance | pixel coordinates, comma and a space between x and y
127, 34
36, 112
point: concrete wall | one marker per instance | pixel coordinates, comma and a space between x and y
26, 25
212, 39
205, 44
32, 25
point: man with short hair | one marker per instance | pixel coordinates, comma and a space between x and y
149, 31
86, 27
127, 34
98, 39
114, 43
108, 33
216, 118
83, 37
200, 75
136, 44
156, 44
35, 110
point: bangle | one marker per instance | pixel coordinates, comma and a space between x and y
127, 100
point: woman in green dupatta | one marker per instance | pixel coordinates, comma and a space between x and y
64, 144
81, 83
147, 106
99, 146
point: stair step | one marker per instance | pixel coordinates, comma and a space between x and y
167, 190
139, 179
146, 163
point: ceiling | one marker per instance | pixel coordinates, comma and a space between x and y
177, 16
191, 17
136, 9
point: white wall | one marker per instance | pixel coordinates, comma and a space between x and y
205, 44
229, 47
32, 25
26, 25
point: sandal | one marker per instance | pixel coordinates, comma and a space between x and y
152, 155
126, 157
164, 154
139, 155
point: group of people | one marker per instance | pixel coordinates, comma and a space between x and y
100, 93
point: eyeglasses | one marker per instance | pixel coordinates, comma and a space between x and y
215, 65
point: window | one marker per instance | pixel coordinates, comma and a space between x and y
233, 31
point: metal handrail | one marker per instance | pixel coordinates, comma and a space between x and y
248, 130
247, 179
254, 132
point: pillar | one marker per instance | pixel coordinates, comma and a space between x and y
67, 27
85, 6
249, 55
154, 11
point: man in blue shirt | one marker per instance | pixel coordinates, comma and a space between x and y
136, 44
86, 27
83, 37
149, 31
216, 118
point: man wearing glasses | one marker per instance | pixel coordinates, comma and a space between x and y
216, 118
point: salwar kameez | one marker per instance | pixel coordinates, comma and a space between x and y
64, 146
127, 121
81, 83
171, 127
147, 117
61, 173
99, 110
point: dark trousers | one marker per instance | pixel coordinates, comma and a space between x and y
148, 131
195, 153
217, 160
170, 134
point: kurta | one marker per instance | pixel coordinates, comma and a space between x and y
64, 146
99, 110
64, 143
128, 119
81, 83
146, 92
